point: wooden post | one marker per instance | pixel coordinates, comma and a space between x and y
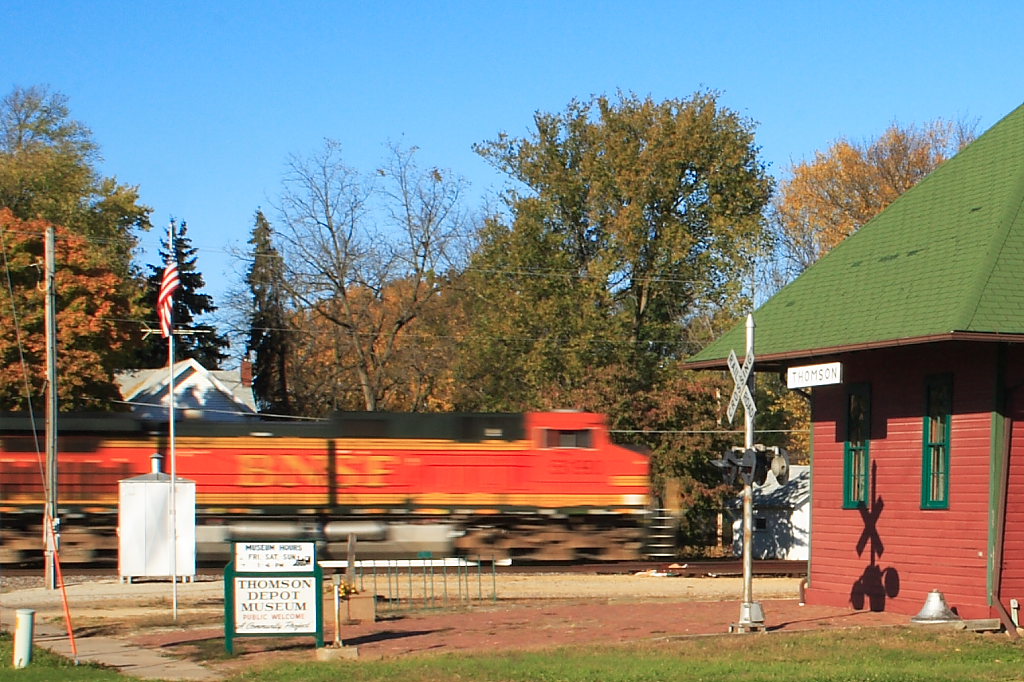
51, 522
350, 571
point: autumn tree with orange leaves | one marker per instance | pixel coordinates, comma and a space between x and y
323, 364
827, 199
90, 310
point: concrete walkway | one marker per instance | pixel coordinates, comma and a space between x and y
146, 664
143, 663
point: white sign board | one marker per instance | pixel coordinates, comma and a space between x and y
274, 557
272, 604
815, 375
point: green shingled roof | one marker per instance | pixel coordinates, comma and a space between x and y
945, 260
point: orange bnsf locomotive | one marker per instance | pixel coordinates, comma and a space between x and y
539, 486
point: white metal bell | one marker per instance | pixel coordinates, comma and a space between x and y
935, 610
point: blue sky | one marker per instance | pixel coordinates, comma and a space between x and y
200, 103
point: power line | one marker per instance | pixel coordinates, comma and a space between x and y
705, 431
249, 257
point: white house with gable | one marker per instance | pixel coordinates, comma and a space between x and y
199, 393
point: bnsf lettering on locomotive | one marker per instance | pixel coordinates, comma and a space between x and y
367, 471
286, 471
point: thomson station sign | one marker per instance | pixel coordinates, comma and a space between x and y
815, 375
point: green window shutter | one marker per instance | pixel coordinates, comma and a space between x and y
856, 452
935, 457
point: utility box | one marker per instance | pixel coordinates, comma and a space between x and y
148, 546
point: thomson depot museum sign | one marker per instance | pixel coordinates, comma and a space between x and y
273, 589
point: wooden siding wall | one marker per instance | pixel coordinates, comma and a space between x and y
891, 554
1012, 573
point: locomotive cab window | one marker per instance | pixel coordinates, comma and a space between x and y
563, 438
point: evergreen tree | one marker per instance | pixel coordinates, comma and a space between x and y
269, 338
205, 345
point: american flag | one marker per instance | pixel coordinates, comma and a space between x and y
165, 299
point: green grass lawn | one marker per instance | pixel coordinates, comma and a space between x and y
884, 654
880, 654
47, 667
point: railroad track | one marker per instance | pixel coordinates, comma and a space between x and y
696, 568
691, 569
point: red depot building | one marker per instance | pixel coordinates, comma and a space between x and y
917, 451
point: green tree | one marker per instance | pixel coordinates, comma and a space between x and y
537, 325
633, 222
48, 170
270, 336
48, 173
632, 232
204, 344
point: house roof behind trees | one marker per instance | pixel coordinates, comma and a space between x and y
944, 261
216, 395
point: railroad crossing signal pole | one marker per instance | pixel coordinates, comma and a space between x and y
751, 612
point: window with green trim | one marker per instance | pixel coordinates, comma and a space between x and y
935, 462
856, 452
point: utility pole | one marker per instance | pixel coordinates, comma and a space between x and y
51, 522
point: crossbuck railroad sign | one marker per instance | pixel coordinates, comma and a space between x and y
742, 392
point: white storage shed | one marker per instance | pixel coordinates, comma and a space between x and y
781, 518
148, 545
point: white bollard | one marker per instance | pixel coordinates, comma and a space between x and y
24, 625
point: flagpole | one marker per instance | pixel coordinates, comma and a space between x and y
170, 437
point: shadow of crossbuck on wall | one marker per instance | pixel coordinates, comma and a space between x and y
875, 584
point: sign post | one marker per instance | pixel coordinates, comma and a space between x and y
751, 612
273, 589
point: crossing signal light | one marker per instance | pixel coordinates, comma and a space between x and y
752, 465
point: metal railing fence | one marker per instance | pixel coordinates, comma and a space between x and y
406, 585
